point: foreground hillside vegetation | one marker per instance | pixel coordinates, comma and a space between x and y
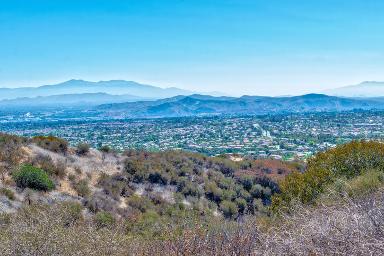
59, 200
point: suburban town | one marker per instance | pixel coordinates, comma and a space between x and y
286, 137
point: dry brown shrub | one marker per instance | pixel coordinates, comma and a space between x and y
345, 228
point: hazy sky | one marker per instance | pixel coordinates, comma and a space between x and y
263, 47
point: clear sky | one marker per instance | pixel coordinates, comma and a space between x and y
259, 47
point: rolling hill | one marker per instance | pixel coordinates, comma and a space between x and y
68, 100
198, 105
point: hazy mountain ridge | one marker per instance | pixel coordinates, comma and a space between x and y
130, 99
195, 105
113, 87
69, 100
364, 89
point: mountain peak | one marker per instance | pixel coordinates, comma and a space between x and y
116, 81
314, 95
372, 83
73, 81
364, 89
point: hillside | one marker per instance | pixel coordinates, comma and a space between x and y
55, 199
198, 105
68, 100
60, 200
109, 181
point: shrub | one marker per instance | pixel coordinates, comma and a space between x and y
73, 212
99, 201
82, 188
71, 177
190, 189
104, 219
229, 194
304, 187
258, 206
244, 194
247, 182
146, 225
29, 176
105, 149
78, 170
241, 204
8, 193
364, 184
51, 143
46, 163
257, 191
229, 209
115, 186
213, 192
10, 145
158, 177
10, 152
136, 170
59, 169
345, 161
82, 149
350, 159
140, 203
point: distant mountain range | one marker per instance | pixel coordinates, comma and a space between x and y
69, 100
364, 89
113, 87
120, 98
199, 105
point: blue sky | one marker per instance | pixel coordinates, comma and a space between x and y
260, 47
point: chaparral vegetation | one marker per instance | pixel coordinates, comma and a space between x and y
59, 200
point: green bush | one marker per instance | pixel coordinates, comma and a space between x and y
104, 219
82, 148
205, 181
158, 177
213, 192
73, 212
351, 159
105, 149
366, 183
346, 161
141, 203
229, 209
257, 191
190, 189
241, 204
29, 176
247, 182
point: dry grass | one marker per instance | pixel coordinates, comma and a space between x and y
94, 162
351, 228
346, 228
